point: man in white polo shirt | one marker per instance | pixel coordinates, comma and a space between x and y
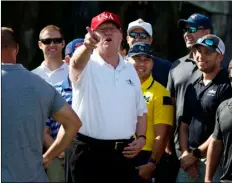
53, 69
107, 96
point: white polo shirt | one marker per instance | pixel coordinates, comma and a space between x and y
52, 77
108, 100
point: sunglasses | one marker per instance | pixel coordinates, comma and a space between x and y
211, 43
50, 40
191, 30
140, 35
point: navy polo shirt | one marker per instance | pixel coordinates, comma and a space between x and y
201, 103
160, 70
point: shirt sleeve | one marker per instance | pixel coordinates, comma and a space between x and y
163, 108
225, 92
170, 85
217, 133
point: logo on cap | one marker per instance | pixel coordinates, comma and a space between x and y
193, 16
105, 16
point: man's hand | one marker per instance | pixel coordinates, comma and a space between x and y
46, 161
192, 172
91, 39
146, 171
134, 148
187, 159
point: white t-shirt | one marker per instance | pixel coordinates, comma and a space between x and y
108, 100
52, 77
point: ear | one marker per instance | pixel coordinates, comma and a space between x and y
67, 60
150, 40
40, 44
63, 43
220, 58
17, 49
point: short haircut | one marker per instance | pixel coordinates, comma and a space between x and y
8, 39
50, 28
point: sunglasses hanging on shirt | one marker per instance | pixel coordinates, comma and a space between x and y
50, 40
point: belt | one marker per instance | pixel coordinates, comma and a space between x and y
105, 144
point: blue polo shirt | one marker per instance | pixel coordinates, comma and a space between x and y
65, 90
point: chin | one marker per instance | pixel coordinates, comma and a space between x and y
189, 45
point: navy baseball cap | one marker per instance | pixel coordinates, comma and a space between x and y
71, 46
141, 48
196, 20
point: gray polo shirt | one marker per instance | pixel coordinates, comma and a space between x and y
27, 101
183, 72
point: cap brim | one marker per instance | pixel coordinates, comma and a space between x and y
140, 53
182, 23
205, 45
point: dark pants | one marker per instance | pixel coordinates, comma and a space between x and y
166, 170
90, 160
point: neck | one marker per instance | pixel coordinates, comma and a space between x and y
112, 59
142, 80
8, 59
53, 64
211, 75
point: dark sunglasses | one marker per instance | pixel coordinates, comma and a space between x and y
50, 40
211, 43
140, 35
191, 30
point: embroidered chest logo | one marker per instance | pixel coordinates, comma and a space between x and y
147, 98
129, 82
211, 93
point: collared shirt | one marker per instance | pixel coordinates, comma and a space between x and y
183, 72
201, 103
65, 90
52, 77
223, 131
108, 100
27, 100
159, 106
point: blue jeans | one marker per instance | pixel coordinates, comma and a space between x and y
201, 166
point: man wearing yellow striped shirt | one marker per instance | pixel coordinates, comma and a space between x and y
160, 113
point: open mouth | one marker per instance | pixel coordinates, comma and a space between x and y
108, 39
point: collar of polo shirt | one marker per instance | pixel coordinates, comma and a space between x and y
121, 65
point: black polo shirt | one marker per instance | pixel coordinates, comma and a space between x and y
201, 103
223, 131
183, 72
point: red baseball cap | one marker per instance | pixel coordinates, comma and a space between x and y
103, 17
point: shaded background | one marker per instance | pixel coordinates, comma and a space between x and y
27, 18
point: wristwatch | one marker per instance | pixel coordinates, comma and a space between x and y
196, 152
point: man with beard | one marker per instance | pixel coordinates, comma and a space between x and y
107, 96
182, 73
202, 99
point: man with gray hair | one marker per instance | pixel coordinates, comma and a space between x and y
27, 101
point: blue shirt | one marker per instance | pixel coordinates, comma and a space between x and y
160, 70
65, 90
